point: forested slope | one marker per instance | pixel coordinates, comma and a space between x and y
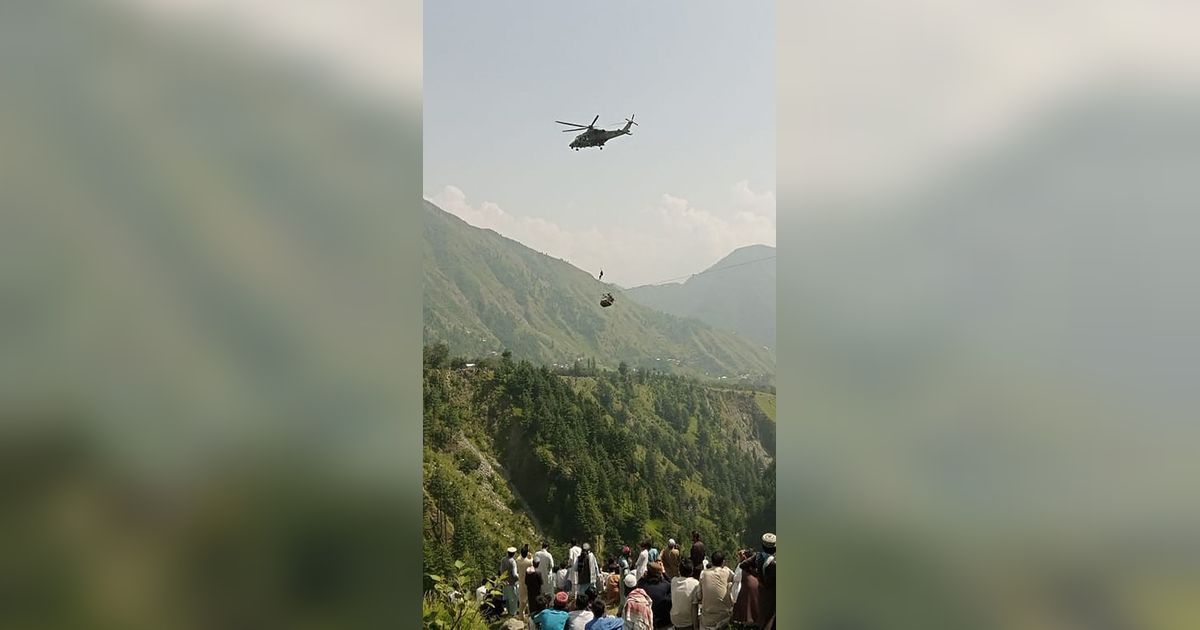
608, 456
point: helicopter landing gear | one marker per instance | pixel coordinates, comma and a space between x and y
576, 148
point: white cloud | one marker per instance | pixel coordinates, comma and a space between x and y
689, 229
673, 239
756, 211
761, 204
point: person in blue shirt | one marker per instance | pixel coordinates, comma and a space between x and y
600, 621
553, 618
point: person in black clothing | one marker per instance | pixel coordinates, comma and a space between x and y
533, 581
659, 591
698, 552
768, 581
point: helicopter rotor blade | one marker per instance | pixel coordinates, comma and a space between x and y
571, 124
573, 130
594, 120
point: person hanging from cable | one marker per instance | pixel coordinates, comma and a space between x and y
601, 275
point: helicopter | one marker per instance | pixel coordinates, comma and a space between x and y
593, 137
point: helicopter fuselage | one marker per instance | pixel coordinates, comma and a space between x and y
596, 137
593, 137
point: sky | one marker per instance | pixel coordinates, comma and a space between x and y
879, 97
695, 181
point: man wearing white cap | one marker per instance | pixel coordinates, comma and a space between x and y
755, 605
670, 559
638, 612
586, 569
508, 569
768, 582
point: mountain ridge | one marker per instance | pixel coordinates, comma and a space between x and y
737, 293
485, 293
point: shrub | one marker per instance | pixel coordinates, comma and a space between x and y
450, 605
468, 461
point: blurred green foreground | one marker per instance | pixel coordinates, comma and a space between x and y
204, 353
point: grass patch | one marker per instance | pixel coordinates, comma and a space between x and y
766, 402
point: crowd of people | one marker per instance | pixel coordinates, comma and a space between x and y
692, 590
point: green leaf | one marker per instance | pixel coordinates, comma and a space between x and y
458, 564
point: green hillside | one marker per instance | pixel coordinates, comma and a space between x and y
485, 293
737, 293
516, 452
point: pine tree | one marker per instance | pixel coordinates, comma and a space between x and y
572, 456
